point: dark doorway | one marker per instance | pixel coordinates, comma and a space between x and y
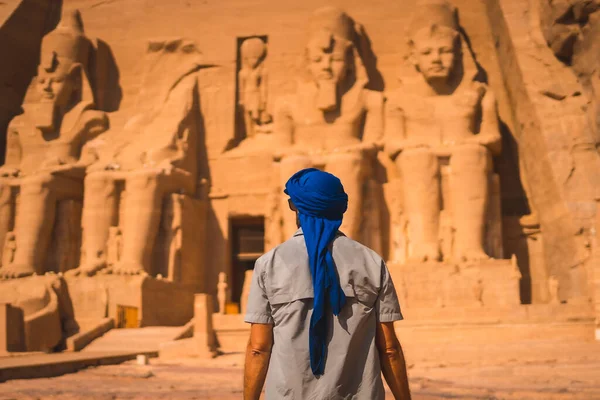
247, 244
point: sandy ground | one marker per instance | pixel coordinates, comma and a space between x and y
525, 371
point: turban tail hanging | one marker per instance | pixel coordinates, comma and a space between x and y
321, 202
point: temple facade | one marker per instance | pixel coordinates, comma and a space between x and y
146, 146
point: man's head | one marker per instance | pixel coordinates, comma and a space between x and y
62, 73
330, 53
253, 52
317, 194
435, 43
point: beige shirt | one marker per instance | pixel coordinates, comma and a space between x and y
281, 294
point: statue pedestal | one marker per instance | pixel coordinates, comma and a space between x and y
491, 284
132, 301
40, 313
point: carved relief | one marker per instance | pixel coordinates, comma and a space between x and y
252, 86
222, 290
441, 132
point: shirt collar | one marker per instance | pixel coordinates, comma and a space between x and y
300, 233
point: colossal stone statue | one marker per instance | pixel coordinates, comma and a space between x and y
333, 120
43, 163
137, 168
442, 116
252, 83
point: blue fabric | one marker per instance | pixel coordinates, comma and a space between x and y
321, 202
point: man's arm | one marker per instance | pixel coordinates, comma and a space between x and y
258, 354
392, 361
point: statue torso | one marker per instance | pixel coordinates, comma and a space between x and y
443, 119
316, 130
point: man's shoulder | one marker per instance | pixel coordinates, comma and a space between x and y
347, 244
289, 247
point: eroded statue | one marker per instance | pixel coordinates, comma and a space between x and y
136, 168
43, 165
252, 82
442, 116
333, 120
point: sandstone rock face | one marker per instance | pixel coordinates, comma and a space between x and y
465, 133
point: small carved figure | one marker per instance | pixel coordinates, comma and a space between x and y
252, 81
222, 287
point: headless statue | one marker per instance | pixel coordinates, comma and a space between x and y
136, 167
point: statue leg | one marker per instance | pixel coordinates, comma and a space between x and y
470, 168
99, 214
421, 187
349, 167
35, 219
289, 166
6, 214
143, 207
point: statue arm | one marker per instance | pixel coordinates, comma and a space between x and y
284, 125
264, 79
13, 152
373, 130
395, 129
489, 133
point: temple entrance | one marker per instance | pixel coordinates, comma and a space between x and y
247, 244
127, 317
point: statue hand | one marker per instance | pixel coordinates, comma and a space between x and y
9, 172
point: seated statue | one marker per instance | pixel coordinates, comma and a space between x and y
333, 120
44, 144
137, 167
442, 116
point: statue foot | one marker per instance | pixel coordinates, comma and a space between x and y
89, 269
472, 255
425, 253
13, 271
128, 269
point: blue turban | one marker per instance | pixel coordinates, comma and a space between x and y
321, 202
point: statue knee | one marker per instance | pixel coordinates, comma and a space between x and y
470, 157
418, 162
35, 185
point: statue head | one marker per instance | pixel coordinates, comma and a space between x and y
253, 52
330, 53
435, 41
62, 79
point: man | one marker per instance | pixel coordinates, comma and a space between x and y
322, 308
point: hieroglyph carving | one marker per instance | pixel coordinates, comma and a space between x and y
442, 116
332, 121
44, 145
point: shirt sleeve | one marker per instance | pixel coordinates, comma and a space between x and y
258, 309
387, 305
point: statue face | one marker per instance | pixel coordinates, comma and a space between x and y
435, 56
328, 60
55, 85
